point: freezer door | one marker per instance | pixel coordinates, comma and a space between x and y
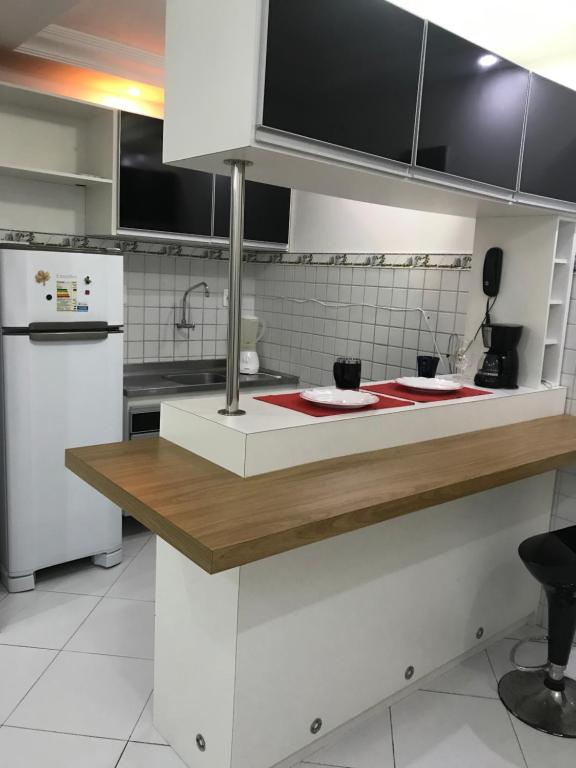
52, 286
57, 396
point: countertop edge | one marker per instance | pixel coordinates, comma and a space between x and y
226, 558
558, 448
184, 543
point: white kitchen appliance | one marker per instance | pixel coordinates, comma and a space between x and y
252, 330
61, 319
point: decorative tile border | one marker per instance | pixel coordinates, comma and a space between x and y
217, 253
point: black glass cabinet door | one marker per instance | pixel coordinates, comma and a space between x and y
266, 211
154, 196
549, 164
473, 109
344, 72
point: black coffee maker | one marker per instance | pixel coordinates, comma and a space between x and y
499, 369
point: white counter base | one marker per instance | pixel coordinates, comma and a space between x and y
250, 657
269, 437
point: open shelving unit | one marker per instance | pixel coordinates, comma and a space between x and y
559, 302
57, 163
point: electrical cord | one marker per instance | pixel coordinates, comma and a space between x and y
346, 305
485, 321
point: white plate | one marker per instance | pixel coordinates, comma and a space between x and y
429, 385
331, 397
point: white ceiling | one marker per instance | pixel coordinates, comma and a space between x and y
137, 23
21, 19
525, 31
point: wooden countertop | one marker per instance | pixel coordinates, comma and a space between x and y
221, 521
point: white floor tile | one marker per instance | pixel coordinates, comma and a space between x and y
89, 695
42, 619
80, 577
117, 627
529, 654
134, 536
20, 748
19, 670
543, 751
145, 730
137, 581
369, 745
437, 730
527, 631
133, 543
149, 756
473, 677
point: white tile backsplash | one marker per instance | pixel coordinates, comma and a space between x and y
303, 339
154, 287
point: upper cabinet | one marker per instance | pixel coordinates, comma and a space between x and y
155, 197
549, 164
266, 211
472, 113
57, 163
358, 99
345, 73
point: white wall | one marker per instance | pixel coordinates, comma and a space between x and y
332, 225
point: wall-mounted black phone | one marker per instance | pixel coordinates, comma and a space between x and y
492, 272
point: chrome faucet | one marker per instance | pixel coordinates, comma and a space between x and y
184, 318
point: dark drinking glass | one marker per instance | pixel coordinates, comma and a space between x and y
427, 365
347, 372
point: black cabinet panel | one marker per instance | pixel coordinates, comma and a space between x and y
549, 165
344, 72
266, 211
154, 196
473, 108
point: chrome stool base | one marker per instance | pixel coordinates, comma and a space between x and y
527, 697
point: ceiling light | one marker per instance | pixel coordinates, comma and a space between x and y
488, 60
133, 91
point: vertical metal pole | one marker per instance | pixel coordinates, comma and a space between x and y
235, 288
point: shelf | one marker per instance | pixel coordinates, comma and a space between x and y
551, 342
556, 302
560, 261
63, 107
54, 177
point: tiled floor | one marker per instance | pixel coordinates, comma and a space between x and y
76, 685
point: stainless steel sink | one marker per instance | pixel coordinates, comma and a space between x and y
190, 377
196, 379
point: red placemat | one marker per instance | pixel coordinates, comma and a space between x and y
294, 402
397, 390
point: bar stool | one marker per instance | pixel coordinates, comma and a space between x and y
543, 697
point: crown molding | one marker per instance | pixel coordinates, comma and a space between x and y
79, 49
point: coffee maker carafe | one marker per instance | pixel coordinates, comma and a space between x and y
499, 369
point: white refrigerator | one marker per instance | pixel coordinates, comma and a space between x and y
61, 317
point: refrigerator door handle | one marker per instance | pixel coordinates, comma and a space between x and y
68, 335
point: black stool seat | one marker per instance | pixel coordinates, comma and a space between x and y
546, 698
551, 557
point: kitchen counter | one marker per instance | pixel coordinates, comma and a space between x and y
233, 521
309, 569
190, 376
269, 437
